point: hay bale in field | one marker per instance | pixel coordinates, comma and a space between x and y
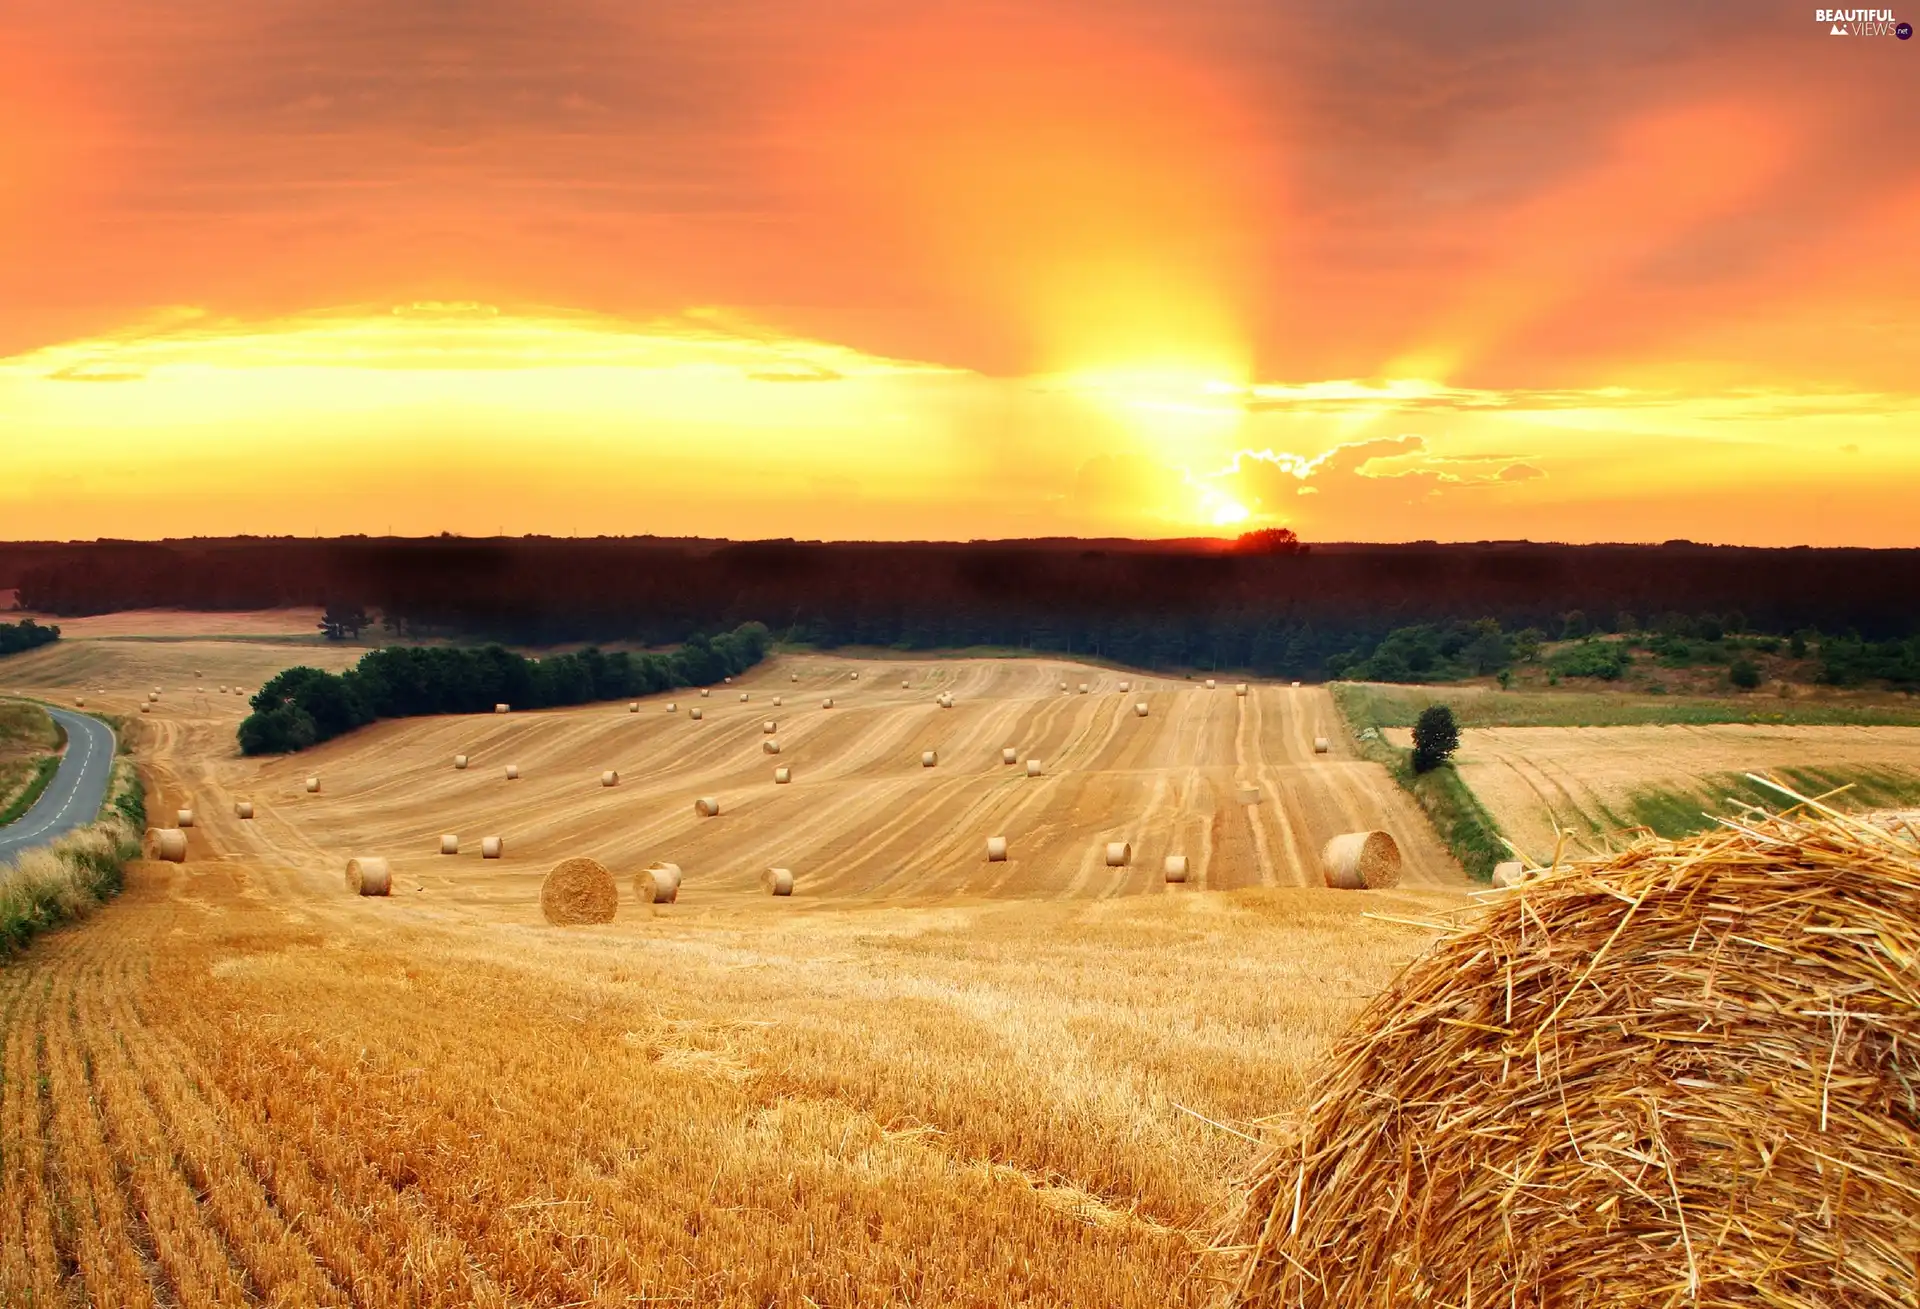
166, 844
578, 891
610, 778
500, 708
726, 681
695, 714
795, 677
928, 758
777, 702
770, 747
707, 806
1239, 688
670, 871
513, 772
146, 708
1083, 688
782, 776
1126, 686
827, 703
996, 849
905, 685
243, 809
449, 844
1063, 686
1248, 795
743, 697
1174, 869
945, 701
704, 693
1033, 768
856, 677
1510, 873
1009, 756
369, 875
672, 708
1139, 708
777, 881
460, 761
1321, 745
183, 818
769, 727
313, 786
1361, 861
79, 702
1682, 1073
1293, 684
633, 706
1210, 684
223, 688
492, 847
656, 884
1119, 854
153, 698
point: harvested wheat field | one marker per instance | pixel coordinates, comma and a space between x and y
1595, 780
922, 1078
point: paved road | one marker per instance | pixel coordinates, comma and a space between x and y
78, 789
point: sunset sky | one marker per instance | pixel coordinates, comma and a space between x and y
843, 268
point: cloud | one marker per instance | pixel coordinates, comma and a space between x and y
1519, 473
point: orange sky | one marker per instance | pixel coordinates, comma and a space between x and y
850, 269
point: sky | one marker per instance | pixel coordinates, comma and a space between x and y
1587, 271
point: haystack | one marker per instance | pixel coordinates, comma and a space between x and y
777, 702
1510, 873
1248, 794
1033, 768
183, 818
1009, 756
492, 847
79, 702
743, 697
449, 844
633, 706
856, 677
500, 708
782, 776
770, 747
166, 844
777, 881
905, 685
694, 713
727, 681
1210, 684
670, 872
513, 772
1239, 688
1293, 684
1361, 861
1119, 854
578, 891
369, 875
769, 727
827, 703
996, 849
1321, 745
146, 708
243, 809
459, 761
1139, 708
928, 758
610, 778
1083, 688
704, 693
1682, 1074
313, 786
672, 707
1175, 868
707, 806
1126, 686
659, 884
795, 677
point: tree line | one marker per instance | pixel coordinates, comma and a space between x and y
304, 706
25, 635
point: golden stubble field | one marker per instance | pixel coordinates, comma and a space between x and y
923, 1080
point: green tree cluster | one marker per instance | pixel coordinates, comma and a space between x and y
25, 635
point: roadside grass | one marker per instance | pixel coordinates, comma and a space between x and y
30, 744
1682, 812
1457, 815
42, 770
70, 878
1383, 705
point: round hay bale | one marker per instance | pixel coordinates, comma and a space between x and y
1361, 861
827, 703
243, 809
369, 875
670, 871
928, 758
223, 688
655, 885
167, 845
183, 818
704, 693
1126, 686
672, 708
996, 849
1063, 686
146, 708
769, 727
1248, 794
795, 677
449, 844
743, 697
856, 676
196, 672
707, 806
946, 702
1293, 684
728, 681
460, 761
513, 772
777, 881
492, 847
1083, 688
1510, 873
500, 708
633, 706
578, 891
1009, 756
1681, 1073
1119, 854
905, 685
777, 702
313, 786
153, 698
1239, 688
695, 714
79, 702
1210, 684
610, 778
1139, 708
1033, 768
1321, 745
1175, 868
782, 776
770, 747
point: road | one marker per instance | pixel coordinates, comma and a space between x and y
78, 789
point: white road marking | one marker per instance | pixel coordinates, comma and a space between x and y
89, 731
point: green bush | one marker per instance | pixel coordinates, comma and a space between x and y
1744, 674
1435, 737
1606, 660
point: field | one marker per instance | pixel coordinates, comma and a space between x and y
924, 1079
1477, 705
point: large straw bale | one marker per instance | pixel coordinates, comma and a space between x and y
827, 703
146, 708
856, 676
1210, 684
1680, 1074
794, 677
707, 806
369, 875
672, 707
1033, 768
1083, 688
777, 881
694, 713
1247, 794
928, 758
501, 709
769, 727
243, 809
1174, 869
1063, 686
782, 776
728, 681
658, 884
610, 778
1239, 688
449, 844
770, 747
313, 786
668, 870
743, 697
1321, 745
79, 702
1009, 755
633, 706
166, 844
1139, 708
459, 761
905, 685
183, 818
513, 772
996, 849
578, 891
1126, 686
704, 693
492, 847
777, 702
1293, 684
1360, 861
1119, 854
